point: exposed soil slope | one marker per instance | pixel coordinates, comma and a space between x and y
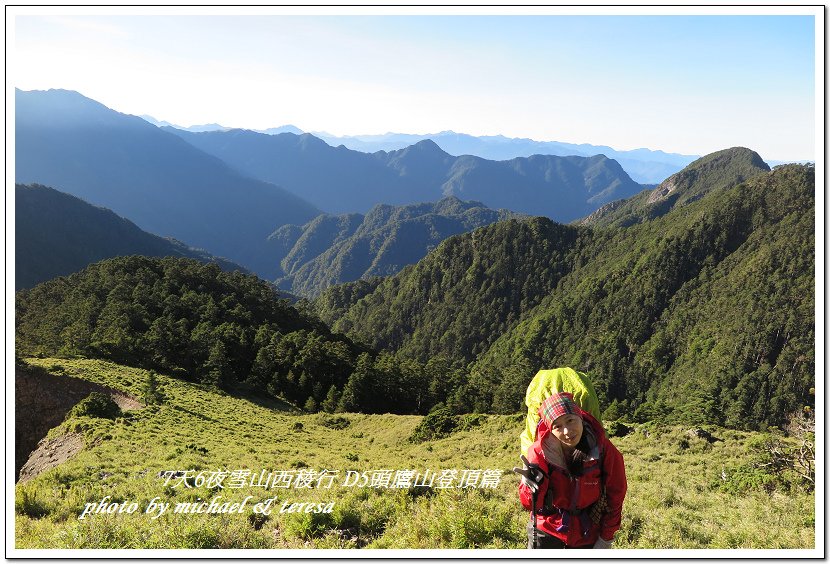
42, 401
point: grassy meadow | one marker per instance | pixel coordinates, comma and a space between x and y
683, 491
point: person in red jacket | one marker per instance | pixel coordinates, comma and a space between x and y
575, 478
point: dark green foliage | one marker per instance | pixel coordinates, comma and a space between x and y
335, 249
690, 316
329, 404
739, 480
311, 405
334, 422
702, 315
463, 295
440, 422
258, 520
151, 391
96, 404
223, 329
776, 463
336, 301
196, 448
617, 429
470, 421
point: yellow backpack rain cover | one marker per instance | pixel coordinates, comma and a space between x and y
549, 382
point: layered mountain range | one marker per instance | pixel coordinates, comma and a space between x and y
340, 180
691, 302
643, 165
57, 234
227, 191
156, 180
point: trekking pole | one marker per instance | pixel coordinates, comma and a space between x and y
528, 472
533, 517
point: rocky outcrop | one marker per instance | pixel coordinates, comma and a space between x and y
601, 212
42, 401
663, 190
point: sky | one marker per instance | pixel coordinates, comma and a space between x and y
678, 83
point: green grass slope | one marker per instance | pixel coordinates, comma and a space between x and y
683, 491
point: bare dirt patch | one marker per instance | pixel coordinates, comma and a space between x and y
51, 452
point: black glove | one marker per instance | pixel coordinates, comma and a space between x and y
531, 474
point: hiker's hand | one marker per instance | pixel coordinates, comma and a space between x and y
602, 543
531, 474
529, 484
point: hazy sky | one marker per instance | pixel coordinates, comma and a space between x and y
684, 84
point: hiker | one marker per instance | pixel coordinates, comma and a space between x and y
574, 478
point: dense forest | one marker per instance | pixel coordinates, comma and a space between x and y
227, 330
703, 313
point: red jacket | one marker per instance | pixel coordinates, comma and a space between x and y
562, 517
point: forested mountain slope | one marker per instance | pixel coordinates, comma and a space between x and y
717, 294
334, 249
224, 330
722, 169
464, 294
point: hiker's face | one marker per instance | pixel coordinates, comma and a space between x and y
568, 429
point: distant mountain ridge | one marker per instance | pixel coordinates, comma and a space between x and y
643, 165
155, 179
57, 234
335, 249
217, 127
340, 180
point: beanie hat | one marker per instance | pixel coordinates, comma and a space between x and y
558, 405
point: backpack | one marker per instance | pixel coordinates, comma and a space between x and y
549, 382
